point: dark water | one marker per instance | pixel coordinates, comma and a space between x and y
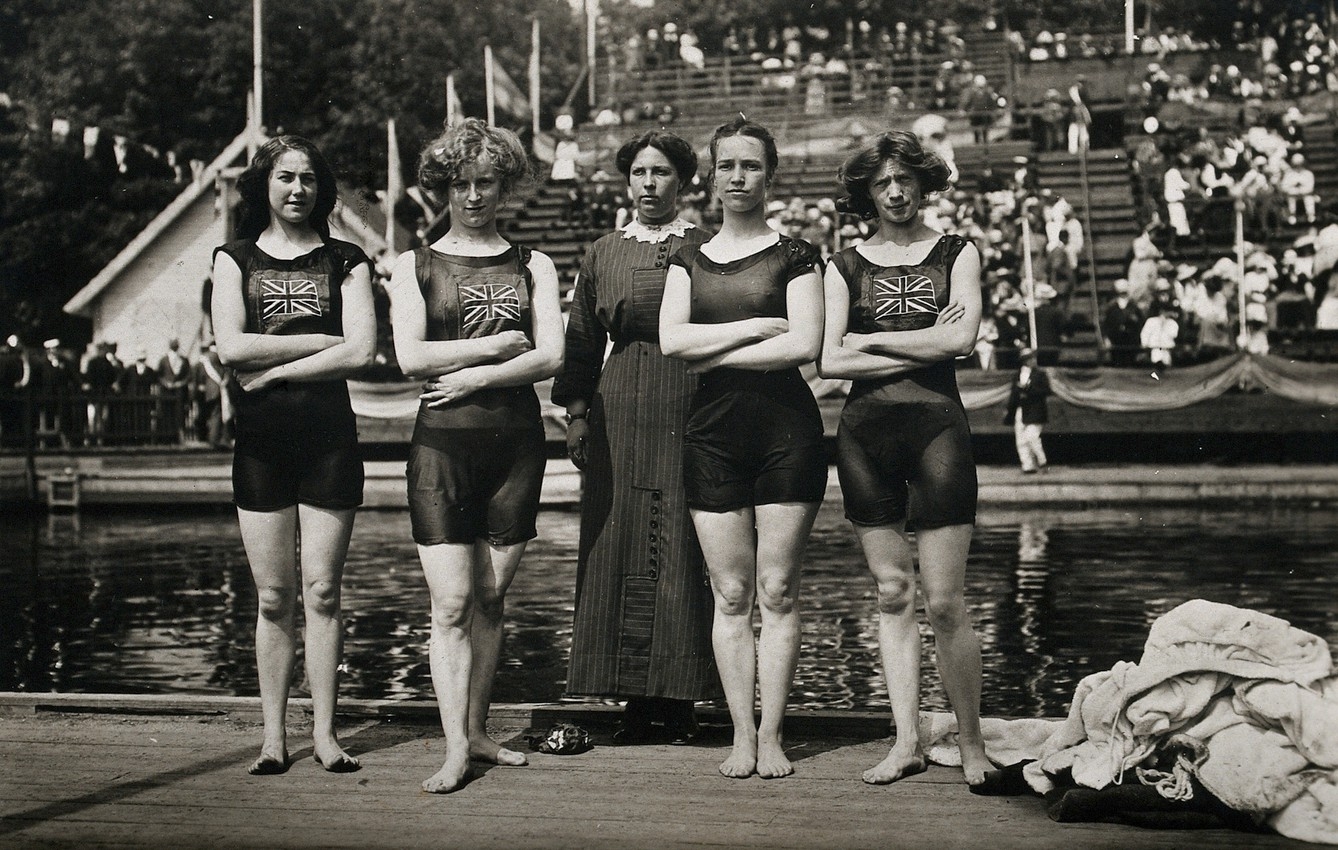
162, 602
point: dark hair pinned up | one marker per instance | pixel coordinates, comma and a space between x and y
679, 153
741, 126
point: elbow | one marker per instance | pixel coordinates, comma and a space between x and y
552, 363
670, 347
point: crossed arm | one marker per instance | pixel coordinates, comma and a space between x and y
457, 368
887, 353
761, 344
263, 359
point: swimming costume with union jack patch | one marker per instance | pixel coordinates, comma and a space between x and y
903, 294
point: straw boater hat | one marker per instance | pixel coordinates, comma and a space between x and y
1185, 271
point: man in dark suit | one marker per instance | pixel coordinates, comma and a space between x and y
1122, 323
1028, 412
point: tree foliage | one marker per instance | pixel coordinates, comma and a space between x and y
174, 75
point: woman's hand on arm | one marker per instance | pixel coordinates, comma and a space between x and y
799, 344
251, 351
420, 358
542, 361
836, 360
947, 339
681, 338
355, 348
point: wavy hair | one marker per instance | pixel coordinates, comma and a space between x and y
469, 141
858, 171
741, 126
679, 153
253, 213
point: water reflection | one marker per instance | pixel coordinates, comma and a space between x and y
163, 602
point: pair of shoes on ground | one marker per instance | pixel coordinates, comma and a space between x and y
657, 721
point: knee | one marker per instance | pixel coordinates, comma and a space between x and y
896, 595
275, 602
947, 613
452, 612
732, 596
489, 603
321, 598
777, 593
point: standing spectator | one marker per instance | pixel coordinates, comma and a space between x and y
1080, 117
175, 384
16, 375
54, 385
1053, 118
139, 385
1122, 323
101, 380
214, 389
1028, 412
1175, 189
1142, 272
980, 103
1159, 335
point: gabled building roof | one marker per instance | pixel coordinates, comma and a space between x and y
81, 303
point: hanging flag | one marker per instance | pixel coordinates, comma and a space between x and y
534, 76
394, 182
91, 135
454, 112
502, 91
60, 130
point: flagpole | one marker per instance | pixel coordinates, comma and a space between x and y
394, 179
1028, 271
488, 84
453, 112
534, 77
257, 68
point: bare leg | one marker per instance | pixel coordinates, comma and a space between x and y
494, 568
270, 539
782, 531
325, 534
449, 570
891, 559
943, 554
728, 541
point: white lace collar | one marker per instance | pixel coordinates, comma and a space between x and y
634, 229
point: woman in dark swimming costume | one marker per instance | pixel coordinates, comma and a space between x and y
293, 315
481, 320
900, 308
745, 309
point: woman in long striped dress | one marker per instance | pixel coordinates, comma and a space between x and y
643, 603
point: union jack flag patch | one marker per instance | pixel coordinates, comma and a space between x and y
488, 302
296, 297
903, 295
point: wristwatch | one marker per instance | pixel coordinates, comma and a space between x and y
572, 417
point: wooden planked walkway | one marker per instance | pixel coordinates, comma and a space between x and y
118, 781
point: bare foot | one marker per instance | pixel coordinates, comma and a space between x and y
742, 761
269, 763
771, 760
975, 764
451, 777
899, 764
483, 748
332, 757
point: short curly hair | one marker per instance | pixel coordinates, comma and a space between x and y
470, 141
679, 153
901, 146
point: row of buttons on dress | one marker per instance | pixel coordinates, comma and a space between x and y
662, 256
653, 560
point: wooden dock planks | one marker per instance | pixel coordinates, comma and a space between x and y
111, 781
